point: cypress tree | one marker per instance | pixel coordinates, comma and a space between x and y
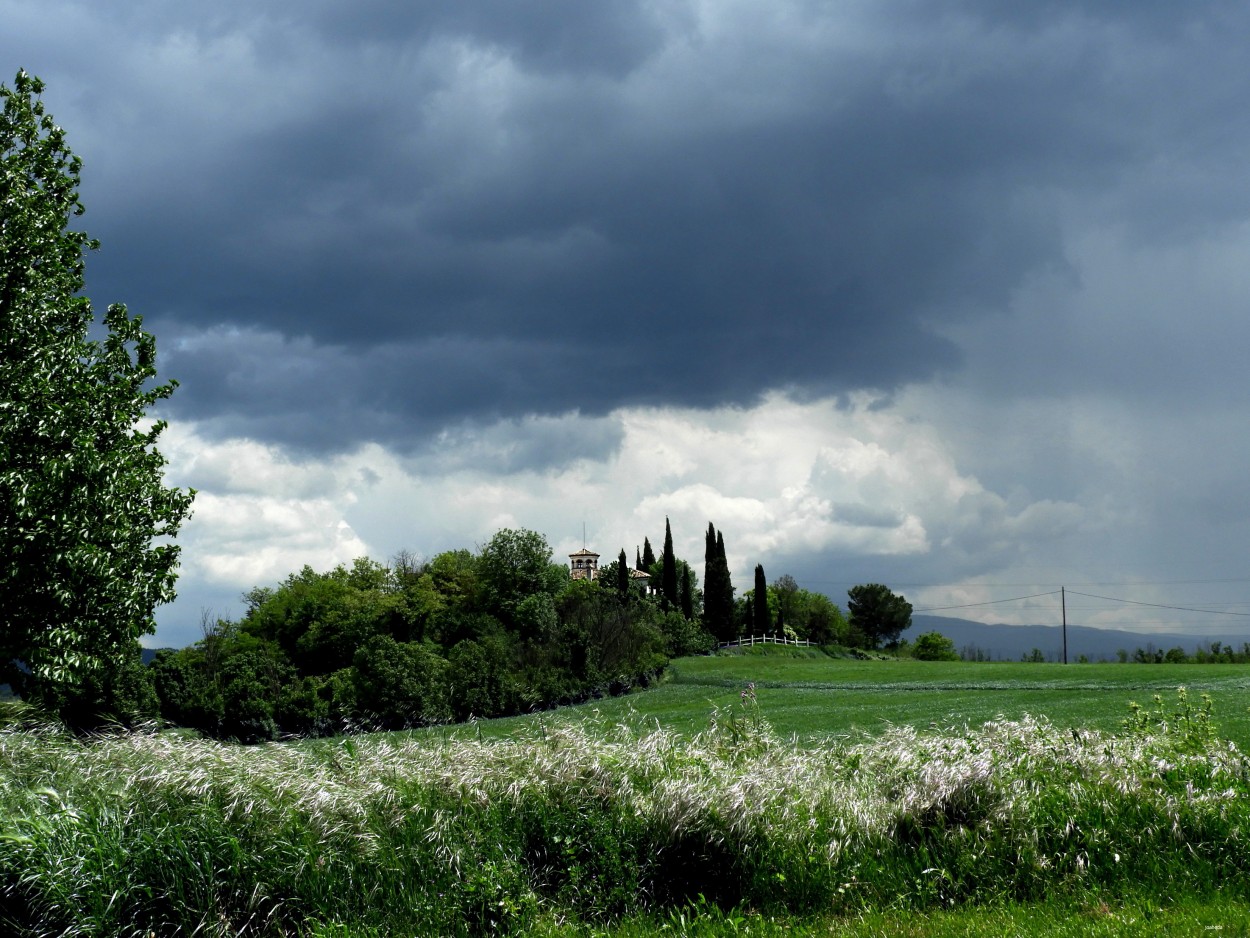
718, 591
687, 592
709, 548
709, 601
622, 574
668, 574
759, 602
648, 555
725, 585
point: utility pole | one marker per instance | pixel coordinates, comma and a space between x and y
1063, 603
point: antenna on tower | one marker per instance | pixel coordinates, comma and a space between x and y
583, 535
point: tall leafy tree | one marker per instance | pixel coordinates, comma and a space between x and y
515, 566
788, 595
85, 516
877, 613
668, 573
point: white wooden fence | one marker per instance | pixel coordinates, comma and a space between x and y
763, 640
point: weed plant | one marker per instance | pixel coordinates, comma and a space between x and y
157, 833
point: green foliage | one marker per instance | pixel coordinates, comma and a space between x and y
685, 636
806, 615
740, 729
1192, 729
534, 618
615, 576
515, 566
820, 620
877, 613
188, 690
122, 695
608, 644
400, 684
461, 636
934, 646
480, 680
82, 498
252, 684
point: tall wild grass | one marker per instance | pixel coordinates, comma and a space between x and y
158, 833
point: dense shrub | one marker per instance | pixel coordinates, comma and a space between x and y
464, 635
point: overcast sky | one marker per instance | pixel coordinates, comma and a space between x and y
951, 296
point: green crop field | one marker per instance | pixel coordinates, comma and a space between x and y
813, 697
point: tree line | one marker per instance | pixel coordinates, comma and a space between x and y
500, 631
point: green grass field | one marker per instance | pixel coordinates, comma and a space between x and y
880, 803
814, 697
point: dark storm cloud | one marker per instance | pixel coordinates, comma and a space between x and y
414, 217
611, 36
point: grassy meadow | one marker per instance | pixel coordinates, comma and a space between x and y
845, 797
813, 697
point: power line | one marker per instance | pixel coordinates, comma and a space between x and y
992, 602
1033, 583
1133, 602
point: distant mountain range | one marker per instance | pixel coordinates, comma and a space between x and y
1009, 642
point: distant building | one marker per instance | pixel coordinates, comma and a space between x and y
584, 565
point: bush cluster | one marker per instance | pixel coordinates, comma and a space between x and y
492, 633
